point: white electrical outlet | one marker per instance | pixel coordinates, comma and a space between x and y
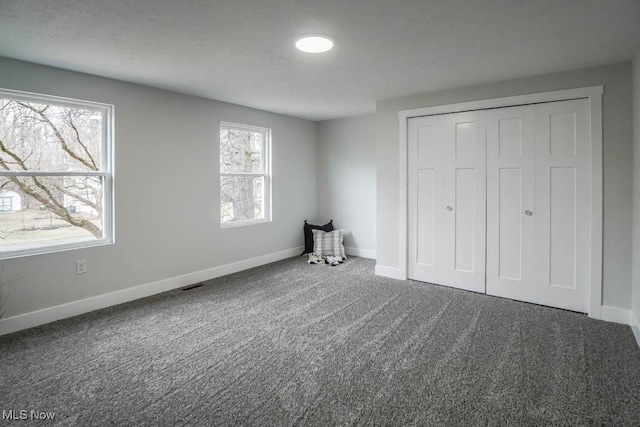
81, 266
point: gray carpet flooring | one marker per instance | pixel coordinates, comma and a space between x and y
293, 344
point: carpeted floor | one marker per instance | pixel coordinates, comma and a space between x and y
293, 344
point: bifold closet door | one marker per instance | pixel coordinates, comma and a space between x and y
511, 228
538, 203
447, 200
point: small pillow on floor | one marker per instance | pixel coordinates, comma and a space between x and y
308, 235
328, 243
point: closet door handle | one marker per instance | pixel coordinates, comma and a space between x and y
528, 213
449, 208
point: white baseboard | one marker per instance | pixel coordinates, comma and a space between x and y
63, 311
364, 253
624, 316
615, 314
635, 327
391, 272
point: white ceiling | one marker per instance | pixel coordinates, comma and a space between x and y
242, 51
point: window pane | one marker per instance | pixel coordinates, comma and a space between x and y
241, 198
41, 137
48, 209
241, 150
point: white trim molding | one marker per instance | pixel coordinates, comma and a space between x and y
615, 315
623, 316
635, 326
63, 311
363, 253
594, 95
390, 272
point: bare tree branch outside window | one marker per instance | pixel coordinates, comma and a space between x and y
243, 173
59, 144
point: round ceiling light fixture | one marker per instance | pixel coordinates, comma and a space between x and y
314, 43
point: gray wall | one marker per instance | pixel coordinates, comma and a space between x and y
166, 146
636, 187
347, 177
617, 140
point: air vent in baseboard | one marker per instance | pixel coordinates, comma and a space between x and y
188, 288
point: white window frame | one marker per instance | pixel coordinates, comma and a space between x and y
106, 172
2, 203
266, 173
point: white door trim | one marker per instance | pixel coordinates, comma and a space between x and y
594, 94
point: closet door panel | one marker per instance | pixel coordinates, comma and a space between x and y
510, 200
563, 175
426, 186
425, 210
510, 233
463, 240
562, 227
447, 200
538, 174
464, 215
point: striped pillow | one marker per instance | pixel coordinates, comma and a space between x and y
328, 243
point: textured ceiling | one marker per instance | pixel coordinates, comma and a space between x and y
242, 51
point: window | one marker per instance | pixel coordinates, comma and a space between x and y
6, 204
56, 172
245, 181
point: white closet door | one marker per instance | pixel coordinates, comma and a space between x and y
563, 199
541, 255
511, 227
447, 197
426, 193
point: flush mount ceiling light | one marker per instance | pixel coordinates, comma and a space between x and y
314, 43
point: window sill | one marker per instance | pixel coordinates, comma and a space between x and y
53, 248
235, 224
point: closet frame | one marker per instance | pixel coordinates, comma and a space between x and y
594, 95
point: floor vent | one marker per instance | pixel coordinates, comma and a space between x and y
188, 288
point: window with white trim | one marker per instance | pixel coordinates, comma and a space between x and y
245, 174
6, 204
56, 162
